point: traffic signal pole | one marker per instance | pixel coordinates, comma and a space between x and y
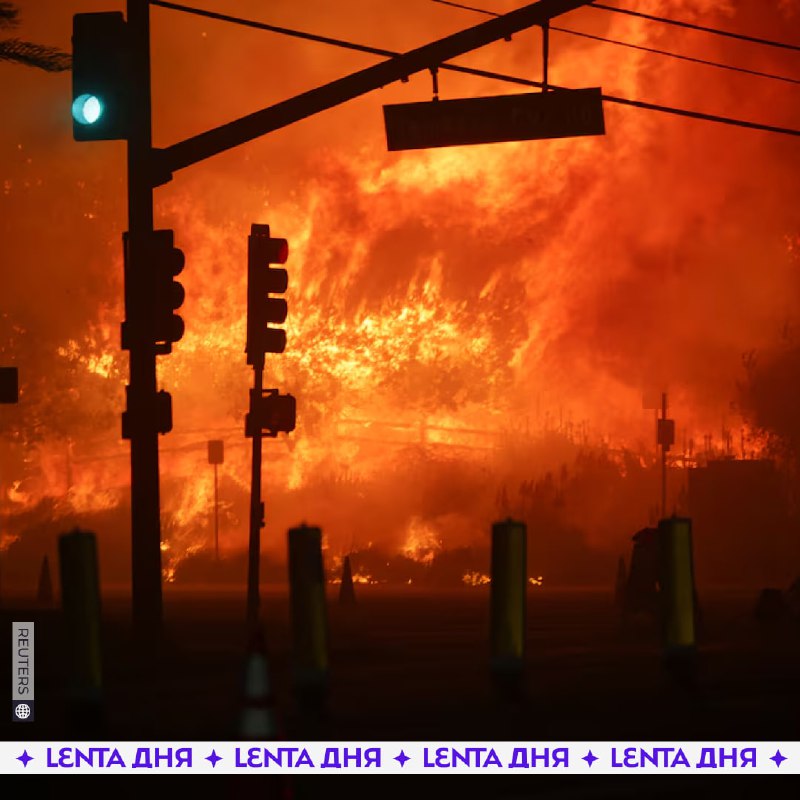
256, 507
217, 140
264, 417
148, 412
141, 411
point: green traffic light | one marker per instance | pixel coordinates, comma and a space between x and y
87, 109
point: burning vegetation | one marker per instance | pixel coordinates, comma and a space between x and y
470, 330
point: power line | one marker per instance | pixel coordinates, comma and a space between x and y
471, 71
692, 26
680, 57
468, 8
667, 53
248, 23
683, 112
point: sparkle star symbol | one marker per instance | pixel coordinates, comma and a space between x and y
778, 758
213, 758
590, 758
402, 758
25, 758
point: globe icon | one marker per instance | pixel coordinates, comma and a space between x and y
23, 711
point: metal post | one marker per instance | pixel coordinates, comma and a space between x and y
256, 506
663, 460
145, 517
545, 53
216, 515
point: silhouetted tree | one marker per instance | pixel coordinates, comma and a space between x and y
47, 58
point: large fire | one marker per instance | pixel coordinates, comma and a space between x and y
470, 330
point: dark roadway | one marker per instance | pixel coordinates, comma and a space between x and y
412, 665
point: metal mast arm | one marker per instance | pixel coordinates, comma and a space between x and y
217, 140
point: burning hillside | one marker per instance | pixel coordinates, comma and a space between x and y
470, 330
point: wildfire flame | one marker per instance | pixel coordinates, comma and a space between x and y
421, 543
486, 311
474, 578
359, 577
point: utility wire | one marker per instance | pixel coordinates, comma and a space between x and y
667, 53
692, 26
469, 70
680, 57
602, 7
248, 23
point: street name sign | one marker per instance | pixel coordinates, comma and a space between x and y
505, 118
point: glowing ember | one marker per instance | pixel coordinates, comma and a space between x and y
473, 578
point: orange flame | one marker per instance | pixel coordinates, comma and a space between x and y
465, 301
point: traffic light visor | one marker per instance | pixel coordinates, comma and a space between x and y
268, 249
281, 251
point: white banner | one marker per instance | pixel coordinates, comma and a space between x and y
22, 672
398, 758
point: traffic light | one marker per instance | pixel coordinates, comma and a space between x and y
271, 413
168, 295
160, 413
100, 77
9, 385
263, 280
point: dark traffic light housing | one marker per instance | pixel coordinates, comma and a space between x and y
152, 298
160, 414
9, 385
100, 77
270, 413
168, 295
263, 280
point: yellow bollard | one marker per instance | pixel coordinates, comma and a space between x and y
508, 593
677, 600
80, 601
308, 611
676, 580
